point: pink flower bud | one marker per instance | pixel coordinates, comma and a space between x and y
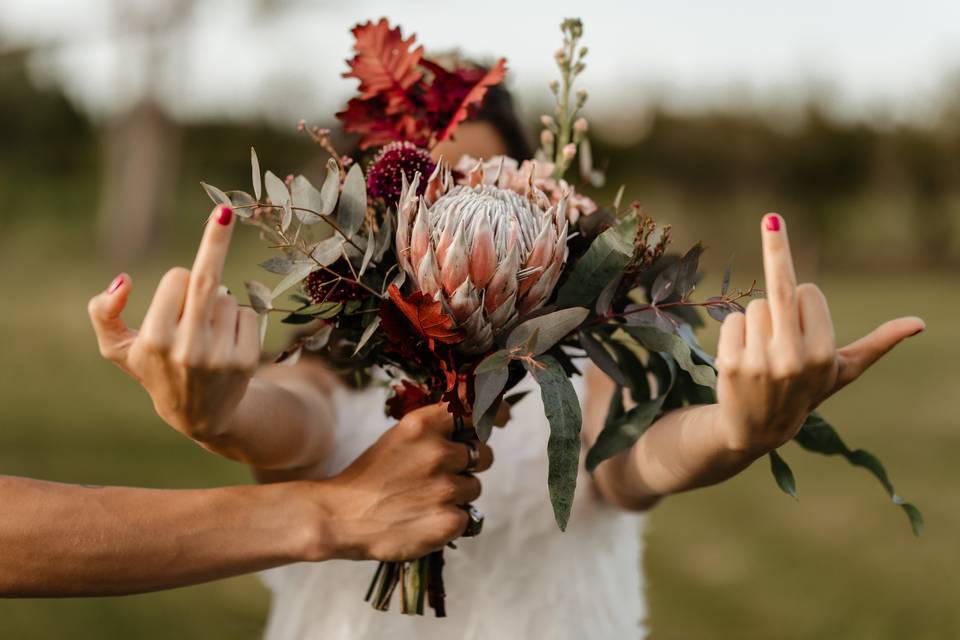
546, 138
569, 151
547, 121
580, 125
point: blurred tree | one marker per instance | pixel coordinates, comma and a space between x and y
141, 145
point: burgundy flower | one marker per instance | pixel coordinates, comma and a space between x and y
384, 179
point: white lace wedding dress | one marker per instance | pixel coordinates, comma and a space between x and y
520, 579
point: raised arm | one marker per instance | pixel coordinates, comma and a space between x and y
776, 363
196, 354
397, 501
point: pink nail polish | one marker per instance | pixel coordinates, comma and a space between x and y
917, 332
115, 284
772, 222
224, 214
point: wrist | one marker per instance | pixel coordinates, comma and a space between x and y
324, 534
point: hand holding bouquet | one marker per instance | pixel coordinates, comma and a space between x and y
458, 281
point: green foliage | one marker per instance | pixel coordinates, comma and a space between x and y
563, 448
819, 436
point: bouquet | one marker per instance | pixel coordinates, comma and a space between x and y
458, 281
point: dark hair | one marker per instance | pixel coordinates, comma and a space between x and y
498, 111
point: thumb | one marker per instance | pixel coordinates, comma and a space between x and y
113, 335
859, 356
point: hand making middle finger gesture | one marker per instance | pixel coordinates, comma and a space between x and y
778, 361
196, 350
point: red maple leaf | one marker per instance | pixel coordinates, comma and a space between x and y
408, 396
426, 315
383, 60
452, 93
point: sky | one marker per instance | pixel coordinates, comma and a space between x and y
234, 58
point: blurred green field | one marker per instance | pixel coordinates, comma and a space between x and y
736, 561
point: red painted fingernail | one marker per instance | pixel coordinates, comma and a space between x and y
224, 214
115, 284
772, 222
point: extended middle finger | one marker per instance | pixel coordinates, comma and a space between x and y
208, 268
781, 279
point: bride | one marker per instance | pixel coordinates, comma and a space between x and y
522, 578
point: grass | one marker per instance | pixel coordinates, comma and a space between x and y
736, 561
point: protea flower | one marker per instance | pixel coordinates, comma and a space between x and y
491, 255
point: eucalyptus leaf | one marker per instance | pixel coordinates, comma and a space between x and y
783, 474
287, 215
215, 194
257, 177
276, 189
550, 329
352, 209
648, 316
367, 253
300, 271
562, 409
328, 250
497, 360
280, 265
319, 339
330, 189
322, 311
488, 386
603, 261
818, 435
384, 237
619, 197
687, 269
368, 332
602, 358
663, 342
725, 286
305, 196
620, 434
242, 202
260, 296
604, 302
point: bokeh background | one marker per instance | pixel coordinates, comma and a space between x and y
844, 117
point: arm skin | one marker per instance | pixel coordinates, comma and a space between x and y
776, 363
69, 540
679, 452
397, 501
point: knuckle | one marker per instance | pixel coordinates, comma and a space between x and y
787, 368
728, 364
415, 425
754, 369
820, 357
204, 284
452, 524
176, 274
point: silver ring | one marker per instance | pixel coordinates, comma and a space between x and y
475, 523
473, 456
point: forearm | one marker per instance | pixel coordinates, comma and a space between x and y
67, 540
284, 421
680, 451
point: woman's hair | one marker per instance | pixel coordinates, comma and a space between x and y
497, 110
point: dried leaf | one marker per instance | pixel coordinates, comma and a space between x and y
367, 253
550, 328
426, 315
260, 296
305, 196
330, 189
276, 189
215, 194
328, 250
257, 178
320, 339
300, 271
352, 209
487, 388
368, 332
280, 265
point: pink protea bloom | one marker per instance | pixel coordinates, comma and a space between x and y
489, 253
506, 173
